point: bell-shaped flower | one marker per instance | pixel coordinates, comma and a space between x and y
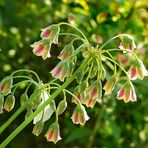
5, 85
79, 115
53, 133
47, 112
66, 52
127, 43
38, 127
94, 94
51, 33
138, 71
110, 85
9, 102
42, 48
127, 93
60, 71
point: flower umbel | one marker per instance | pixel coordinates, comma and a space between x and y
53, 133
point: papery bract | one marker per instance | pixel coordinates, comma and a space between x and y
53, 133
47, 112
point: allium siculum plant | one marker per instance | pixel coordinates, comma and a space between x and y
89, 73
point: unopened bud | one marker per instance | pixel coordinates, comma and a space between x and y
38, 127
9, 103
23, 99
61, 107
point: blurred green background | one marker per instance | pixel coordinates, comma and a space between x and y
119, 125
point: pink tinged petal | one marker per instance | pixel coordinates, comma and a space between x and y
133, 94
56, 72
75, 117
46, 32
127, 95
140, 74
120, 93
39, 49
90, 102
93, 92
133, 73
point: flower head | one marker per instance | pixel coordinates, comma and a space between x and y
42, 48
66, 52
127, 93
138, 71
110, 85
127, 43
51, 33
5, 85
79, 115
53, 133
60, 71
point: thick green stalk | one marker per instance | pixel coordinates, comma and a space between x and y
53, 96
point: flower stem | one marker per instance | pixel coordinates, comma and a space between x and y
64, 23
54, 95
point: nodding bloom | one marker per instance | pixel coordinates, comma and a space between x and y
61, 71
51, 33
5, 85
127, 93
79, 115
127, 43
9, 103
42, 48
94, 94
66, 52
123, 59
139, 71
47, 112
53, 133
38, 127
110, 85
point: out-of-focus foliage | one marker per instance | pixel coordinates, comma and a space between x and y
120, 125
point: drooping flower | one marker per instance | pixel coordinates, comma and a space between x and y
138, 71
47, 112
38, 127
5, 85
53, 133
42, 48
79, 115
123, 59
127, 43
94, 94
127, 93
61, 71
51, 33
9, 103
66, 52
110, 85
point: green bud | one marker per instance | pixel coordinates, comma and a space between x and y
1, 103
9, 103
61, 107
94, 70
23, 99
52, 105
38, 128
5, 85
83, 86
79, 77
